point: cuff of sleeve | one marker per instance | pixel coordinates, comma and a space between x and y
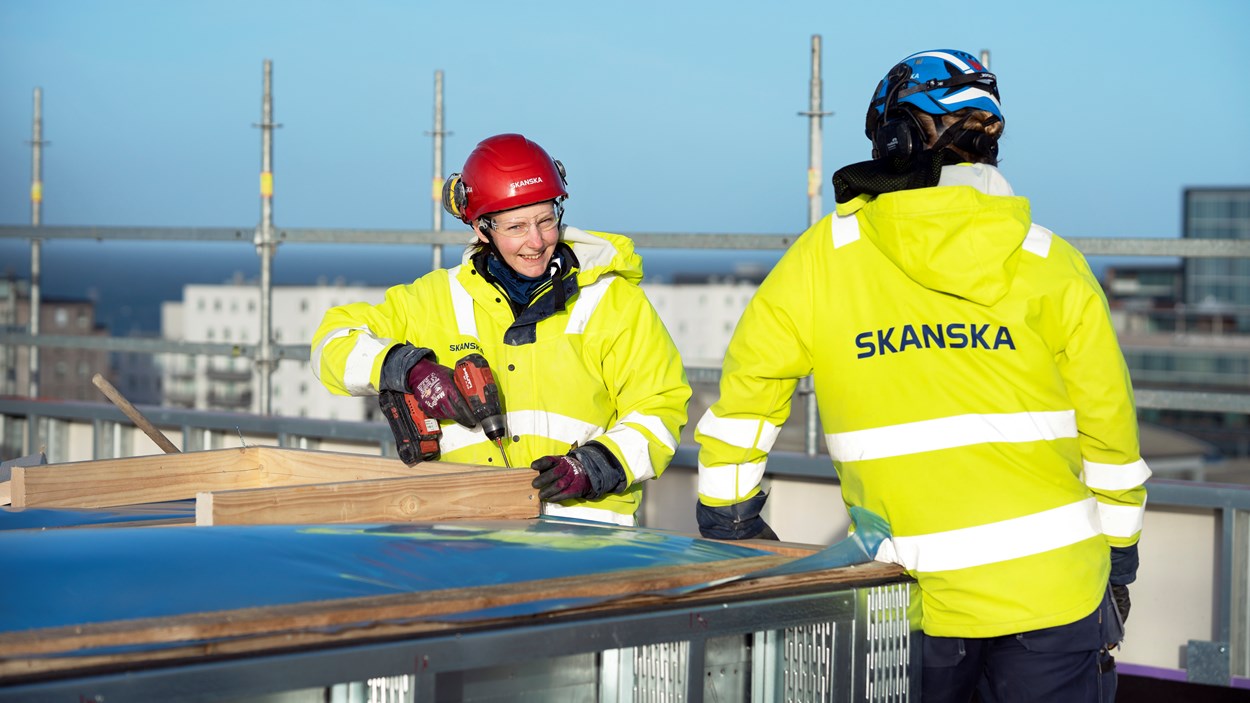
605, 472
1123, 565
395, 367
737, 521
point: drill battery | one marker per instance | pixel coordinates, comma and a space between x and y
416, 434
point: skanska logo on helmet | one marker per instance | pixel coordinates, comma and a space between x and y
527, 182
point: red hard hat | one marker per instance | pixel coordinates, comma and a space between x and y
503, 172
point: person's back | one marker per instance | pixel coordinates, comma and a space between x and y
968, 379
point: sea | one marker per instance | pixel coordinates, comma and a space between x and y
128, 280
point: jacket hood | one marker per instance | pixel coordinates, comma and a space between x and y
962, 237
600, 253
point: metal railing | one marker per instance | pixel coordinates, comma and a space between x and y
269, 352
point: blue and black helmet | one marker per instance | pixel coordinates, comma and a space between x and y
937, 82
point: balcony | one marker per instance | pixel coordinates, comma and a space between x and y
226, 374
230, 400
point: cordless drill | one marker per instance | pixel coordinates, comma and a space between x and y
477, 384
416, 434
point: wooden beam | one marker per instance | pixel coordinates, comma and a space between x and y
133, 480
150, 479
251, 631
503, 494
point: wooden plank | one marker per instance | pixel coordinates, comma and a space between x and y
149, 479
503, 494
292, 467
144, 479
787, 549
55, 651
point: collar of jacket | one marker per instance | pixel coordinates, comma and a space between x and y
983, 177
598, 254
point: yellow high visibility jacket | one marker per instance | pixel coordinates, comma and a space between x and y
971, 390
603, 369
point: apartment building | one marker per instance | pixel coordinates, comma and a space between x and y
699, 315
230, 313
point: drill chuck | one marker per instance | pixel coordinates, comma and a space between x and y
493, 426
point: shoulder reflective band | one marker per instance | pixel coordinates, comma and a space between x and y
36, 192
436, 193
266, 184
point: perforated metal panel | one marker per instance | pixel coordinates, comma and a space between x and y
660, 672
807, 662
888, 635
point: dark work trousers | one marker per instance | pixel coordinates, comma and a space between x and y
1069, 663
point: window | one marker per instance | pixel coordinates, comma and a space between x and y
217, 305
62, 317
303, 305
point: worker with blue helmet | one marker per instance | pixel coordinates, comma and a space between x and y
971, 390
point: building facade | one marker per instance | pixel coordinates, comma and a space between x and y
1218, 289
230, 313
64, 373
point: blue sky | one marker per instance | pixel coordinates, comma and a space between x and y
670, 116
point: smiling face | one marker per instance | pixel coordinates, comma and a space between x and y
525, 237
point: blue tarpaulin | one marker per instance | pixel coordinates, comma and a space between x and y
84, 575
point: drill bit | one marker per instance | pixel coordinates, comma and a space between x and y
502, 452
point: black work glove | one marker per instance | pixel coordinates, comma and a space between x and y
1119, 594
587, 472
1124, 563
737, 521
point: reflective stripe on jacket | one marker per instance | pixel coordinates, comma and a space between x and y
603, 369
972, 392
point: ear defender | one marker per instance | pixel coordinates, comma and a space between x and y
454, 198
897, 139
563, 176
898, 136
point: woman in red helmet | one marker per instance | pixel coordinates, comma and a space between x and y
593, 387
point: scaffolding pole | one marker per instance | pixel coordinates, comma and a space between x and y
814, 205
36, 244
266, 247
437, 189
